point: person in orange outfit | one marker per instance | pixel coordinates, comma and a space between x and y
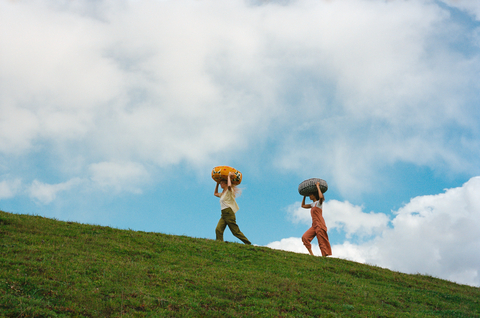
319, 228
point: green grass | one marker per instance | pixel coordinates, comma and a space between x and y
50, 268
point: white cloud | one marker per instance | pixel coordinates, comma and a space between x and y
389, 92
297, 214
469, 6
369, 82
435, 235
293, 244
351, 219
119, 176
45, 193
9, 188
54, 75
114, 177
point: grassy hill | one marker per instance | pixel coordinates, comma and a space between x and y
50, 268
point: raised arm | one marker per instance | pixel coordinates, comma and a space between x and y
216, 190
305, 206
320, 194
229, 182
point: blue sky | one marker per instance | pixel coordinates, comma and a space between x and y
115, 112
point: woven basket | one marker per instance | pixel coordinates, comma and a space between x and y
309, 186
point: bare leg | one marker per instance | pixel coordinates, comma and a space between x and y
310, 251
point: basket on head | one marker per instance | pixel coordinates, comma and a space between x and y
309, 186
221, 173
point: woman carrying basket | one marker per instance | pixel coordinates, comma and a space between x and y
319, 228
229, 207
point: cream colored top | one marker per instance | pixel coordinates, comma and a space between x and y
317, 204
227, 200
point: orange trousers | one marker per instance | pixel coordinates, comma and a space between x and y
318, 229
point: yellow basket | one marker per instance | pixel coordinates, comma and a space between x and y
221, 173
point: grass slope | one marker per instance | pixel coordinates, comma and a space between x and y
50, 268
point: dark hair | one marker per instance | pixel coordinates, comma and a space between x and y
316, 195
